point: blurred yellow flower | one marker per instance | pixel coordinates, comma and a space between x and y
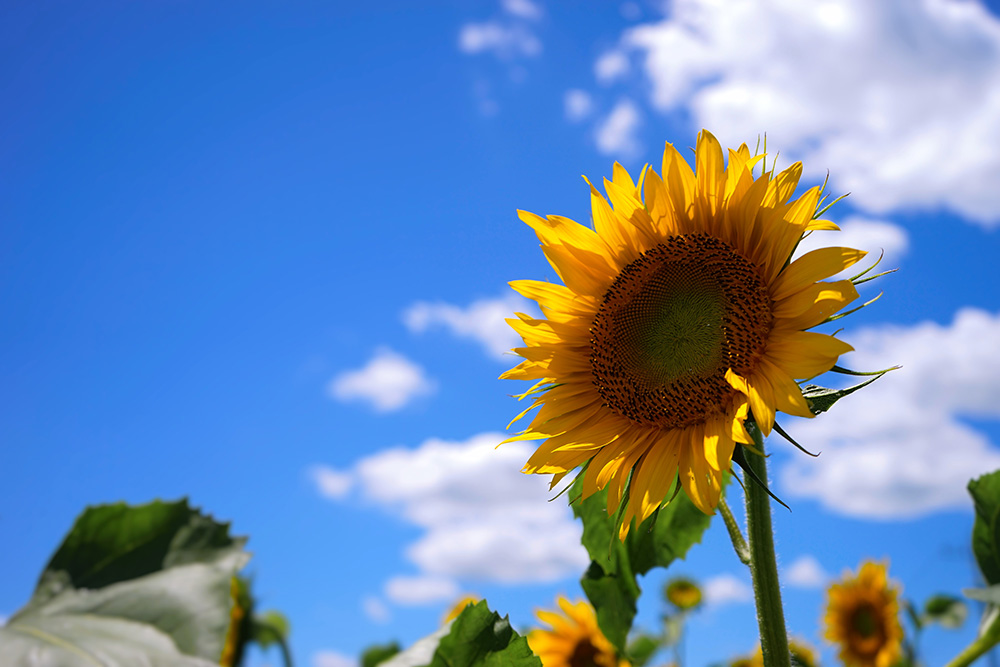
862, 617
679, 315
459, 607
683, 593
574, 639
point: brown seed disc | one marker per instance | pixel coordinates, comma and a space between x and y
671, 324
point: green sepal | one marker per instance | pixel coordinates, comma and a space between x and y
789, 438
739, 458
610, 581
821, 399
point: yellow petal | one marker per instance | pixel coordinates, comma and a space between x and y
814, 266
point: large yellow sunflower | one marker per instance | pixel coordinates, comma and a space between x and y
574, 639
680, 316
862, 616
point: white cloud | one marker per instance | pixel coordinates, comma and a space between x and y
506, 41
389, 381
611, 66
873, 236
806, 572
420, 590
726, 589
897, 448
616, 134
524, 9
375, 609
483, 519
331, 483
578, 104
901, 103
482, 321
332, 659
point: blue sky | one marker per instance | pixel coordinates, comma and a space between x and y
257, 254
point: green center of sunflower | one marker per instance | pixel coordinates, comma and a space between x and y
671, 324
864, 622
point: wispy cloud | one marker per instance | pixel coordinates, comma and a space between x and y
806, 572
482, 321
902, 103
375, 609
332, 659
388, 382
420, 590
899, 448
505, 41
578, 104
726, 589
611, 66
616, 134
523, 8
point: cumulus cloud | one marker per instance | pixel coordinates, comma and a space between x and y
388, 382
616, 134
873, 236
482, 519
898, 448
375, 609
333, 659
806, 572
901, 103
505, 41
611, 66
482, 321
726, 589
578, 104
420, 590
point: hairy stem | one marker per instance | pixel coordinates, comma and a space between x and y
735, 534
763, 565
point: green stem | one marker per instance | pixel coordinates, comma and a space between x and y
981, 645
763, 565
735, 534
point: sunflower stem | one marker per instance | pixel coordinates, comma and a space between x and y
763, 565
735, 534
987, 640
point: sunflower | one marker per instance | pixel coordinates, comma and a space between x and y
683, 593
862, 616
574, 640
680, 316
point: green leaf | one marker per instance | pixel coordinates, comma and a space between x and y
481, 638
990, 594
610, 581
821, 399
125, 580
642, 648
270, 627
946, 610
375, 655
985, 493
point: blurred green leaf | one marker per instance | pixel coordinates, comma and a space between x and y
946, 610
270, 627
481, 638
131, 585
990, 594
985, 493
610, 581
642, 648
375, 655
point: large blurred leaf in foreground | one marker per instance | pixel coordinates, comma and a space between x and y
130, 585
610, 581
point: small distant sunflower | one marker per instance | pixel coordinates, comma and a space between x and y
862, 616
683, 593
574, 639
679, 315
459, 607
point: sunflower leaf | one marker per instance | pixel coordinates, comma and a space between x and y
610, 581
146, 584
947, 610
481, 638
985, 493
